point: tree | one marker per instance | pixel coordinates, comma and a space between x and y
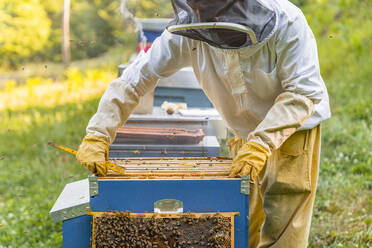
24, 27
66, 34
151, 8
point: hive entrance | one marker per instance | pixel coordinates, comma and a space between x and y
151, 230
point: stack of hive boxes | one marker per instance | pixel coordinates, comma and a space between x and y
136, 141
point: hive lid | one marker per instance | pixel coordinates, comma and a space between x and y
72, 202
152, 135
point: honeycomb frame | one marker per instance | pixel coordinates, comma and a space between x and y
153, 230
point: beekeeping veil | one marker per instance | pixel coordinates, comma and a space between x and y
226, 24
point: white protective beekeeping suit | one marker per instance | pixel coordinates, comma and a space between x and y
257, 62
265, 87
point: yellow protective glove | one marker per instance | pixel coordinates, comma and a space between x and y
251, 159
93, 154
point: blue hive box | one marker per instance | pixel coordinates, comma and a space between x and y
208, 147
207, 193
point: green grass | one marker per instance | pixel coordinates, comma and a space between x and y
342, 214
343, 207
32, 175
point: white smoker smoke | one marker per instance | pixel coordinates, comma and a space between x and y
127, 15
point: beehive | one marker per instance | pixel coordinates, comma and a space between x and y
174, 168
147, 135
213, 208
207, 147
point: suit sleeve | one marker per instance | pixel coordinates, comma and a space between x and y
298, 71
167, 55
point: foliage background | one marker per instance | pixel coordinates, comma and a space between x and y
40, 102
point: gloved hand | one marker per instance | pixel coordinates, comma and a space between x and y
93, 154
251, 159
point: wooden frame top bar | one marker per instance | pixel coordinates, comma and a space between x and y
165, 215
172, 168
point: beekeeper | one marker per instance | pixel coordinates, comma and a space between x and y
257, 62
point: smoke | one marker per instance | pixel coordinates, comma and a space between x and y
128, 16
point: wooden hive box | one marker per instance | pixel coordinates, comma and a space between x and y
166, 189
152, 135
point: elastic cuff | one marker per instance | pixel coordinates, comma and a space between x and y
98, 134
258, 140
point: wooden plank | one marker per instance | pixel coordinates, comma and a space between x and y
159, 174
214, 159
152, 168
158, 169
171, 163
233, 231
167, 215
147, 135
164, 177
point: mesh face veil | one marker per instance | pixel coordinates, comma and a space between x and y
228, 24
